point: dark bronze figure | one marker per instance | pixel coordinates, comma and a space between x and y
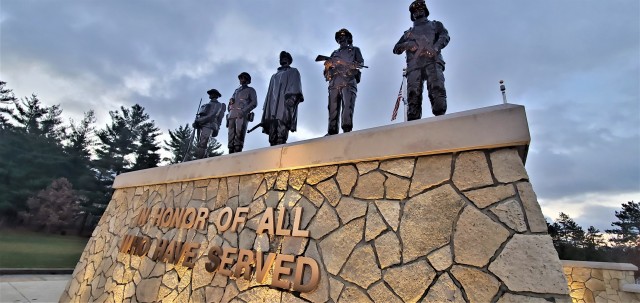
244, 100
342, 71
280, 112
208, 121
423, 43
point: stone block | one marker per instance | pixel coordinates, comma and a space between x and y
361, 267
396, 187
530, 263
507, 166
350, 208
471, 171
489, 195
411, 280
390, 211
388, 249
318, 174
365, 167
370, 186
444, 290
401, 167
379, 292
536, 220
477, 238
330, 191
479, 286
347, 177
510, 213
337, 246
441, 259
427, 221
375, 224
430, 171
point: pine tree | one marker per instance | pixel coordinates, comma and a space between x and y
179, 143
147, 155
627, 228
6, 97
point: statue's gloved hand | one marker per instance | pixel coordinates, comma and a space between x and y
290, 102
411, 46
195, 124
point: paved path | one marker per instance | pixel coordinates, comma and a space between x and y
32, 288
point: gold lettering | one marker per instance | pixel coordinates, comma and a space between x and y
189, 254
201, 220
188, 219
262, 266
214, 259
279, 269
223, 227
238, 219
314, 275
280, 231
177, 218
167, 217
158, 253
245, 259
296, 225
266, 222
143, 216
226, 260
156, 214
125, 245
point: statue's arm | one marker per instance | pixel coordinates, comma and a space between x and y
207, 117
443, 36
221, 114
254, 101
401, 45
358, 56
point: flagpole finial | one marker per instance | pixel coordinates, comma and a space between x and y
503, 90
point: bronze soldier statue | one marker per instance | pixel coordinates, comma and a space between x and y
423, 43
280, 112
342, 72
208, 121
244, 100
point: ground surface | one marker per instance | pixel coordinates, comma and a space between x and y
25, 249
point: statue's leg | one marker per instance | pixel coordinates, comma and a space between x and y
232, 135
349, 103
241, 131
283, 133
414, 92
435, 85
203, 140
334, 110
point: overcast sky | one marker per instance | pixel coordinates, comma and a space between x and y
574, 65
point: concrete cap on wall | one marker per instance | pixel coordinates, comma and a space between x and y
497, 126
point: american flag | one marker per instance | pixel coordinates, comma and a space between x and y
395, 109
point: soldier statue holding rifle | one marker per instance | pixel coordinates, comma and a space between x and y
342, 71
208, 121
423, 43
244, 100
280, 112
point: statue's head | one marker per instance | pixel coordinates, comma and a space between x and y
418, 9
244, 78
214, 94
285, 58
343, 36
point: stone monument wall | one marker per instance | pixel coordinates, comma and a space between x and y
457, 223
601, 282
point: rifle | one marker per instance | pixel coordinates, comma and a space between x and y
193, 134
340, 62
266, 122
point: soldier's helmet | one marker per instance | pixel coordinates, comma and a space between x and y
214, 92
344, 32
418, 4
284, 54
246, 76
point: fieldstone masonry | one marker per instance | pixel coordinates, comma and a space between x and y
601, 282
450, 226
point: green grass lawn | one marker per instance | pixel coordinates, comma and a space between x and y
25, 249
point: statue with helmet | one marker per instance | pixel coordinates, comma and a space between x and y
342, 71
208, 121
243, 101
280, 111
423, 44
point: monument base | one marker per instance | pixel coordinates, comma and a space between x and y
435, 210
